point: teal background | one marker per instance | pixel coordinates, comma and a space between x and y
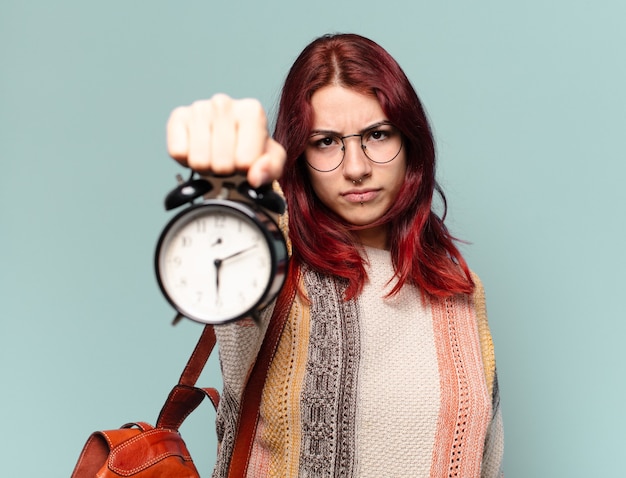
528, 106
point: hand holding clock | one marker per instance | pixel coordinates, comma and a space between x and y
223, 135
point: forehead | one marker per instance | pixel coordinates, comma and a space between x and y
340, 109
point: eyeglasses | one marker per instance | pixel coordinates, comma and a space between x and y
381, 143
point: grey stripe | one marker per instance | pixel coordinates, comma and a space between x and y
226, 421
329, 394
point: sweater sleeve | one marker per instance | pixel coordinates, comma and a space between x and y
240, 341
493, 451
494, 441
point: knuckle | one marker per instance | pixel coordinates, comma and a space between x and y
178, 116
200, 162
221, 101
252, 108
242, 159
200, 107
222, 167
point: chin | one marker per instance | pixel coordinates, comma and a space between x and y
361, 219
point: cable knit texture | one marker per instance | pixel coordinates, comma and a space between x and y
375, 387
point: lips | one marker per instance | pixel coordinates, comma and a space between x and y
360, 195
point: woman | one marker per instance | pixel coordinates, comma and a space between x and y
385, 366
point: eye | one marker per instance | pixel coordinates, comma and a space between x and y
380, 133
319, 141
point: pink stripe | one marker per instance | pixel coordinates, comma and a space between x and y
465, 405
260, 457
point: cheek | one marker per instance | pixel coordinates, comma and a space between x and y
321, 185
399, 176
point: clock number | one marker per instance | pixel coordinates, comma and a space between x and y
220, 221
201, 226
186, 241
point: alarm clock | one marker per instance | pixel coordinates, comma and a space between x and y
223, 257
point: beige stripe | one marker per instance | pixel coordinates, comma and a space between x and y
399, 389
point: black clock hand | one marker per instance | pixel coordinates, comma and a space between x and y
218, 266
236, 254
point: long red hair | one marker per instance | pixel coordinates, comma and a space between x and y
422, 249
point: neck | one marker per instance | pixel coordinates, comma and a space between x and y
375, 237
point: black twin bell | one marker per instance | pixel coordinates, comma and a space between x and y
194, 188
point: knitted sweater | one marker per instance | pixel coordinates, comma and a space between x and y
373, 387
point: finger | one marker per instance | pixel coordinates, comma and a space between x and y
223, 135
177, 135
252, 134
199, 131
269, 165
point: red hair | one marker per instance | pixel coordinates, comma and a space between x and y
422, 250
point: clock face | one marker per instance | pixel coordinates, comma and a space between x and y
214, 263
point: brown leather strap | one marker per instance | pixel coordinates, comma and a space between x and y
185, 397
213, 395
199, 357
251, 399
181, 401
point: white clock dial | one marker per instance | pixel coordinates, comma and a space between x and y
215, 263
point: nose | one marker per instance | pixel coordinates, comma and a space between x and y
355, 162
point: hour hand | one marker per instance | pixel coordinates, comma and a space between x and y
218, 266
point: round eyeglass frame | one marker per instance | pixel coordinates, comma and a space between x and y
363, 147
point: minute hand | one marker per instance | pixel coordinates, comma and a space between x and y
238, 253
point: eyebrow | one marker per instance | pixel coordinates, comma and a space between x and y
330, 132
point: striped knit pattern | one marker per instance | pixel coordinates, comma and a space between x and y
465, 405
314, 403
239, 343
329, 398
494, 442
276, 452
